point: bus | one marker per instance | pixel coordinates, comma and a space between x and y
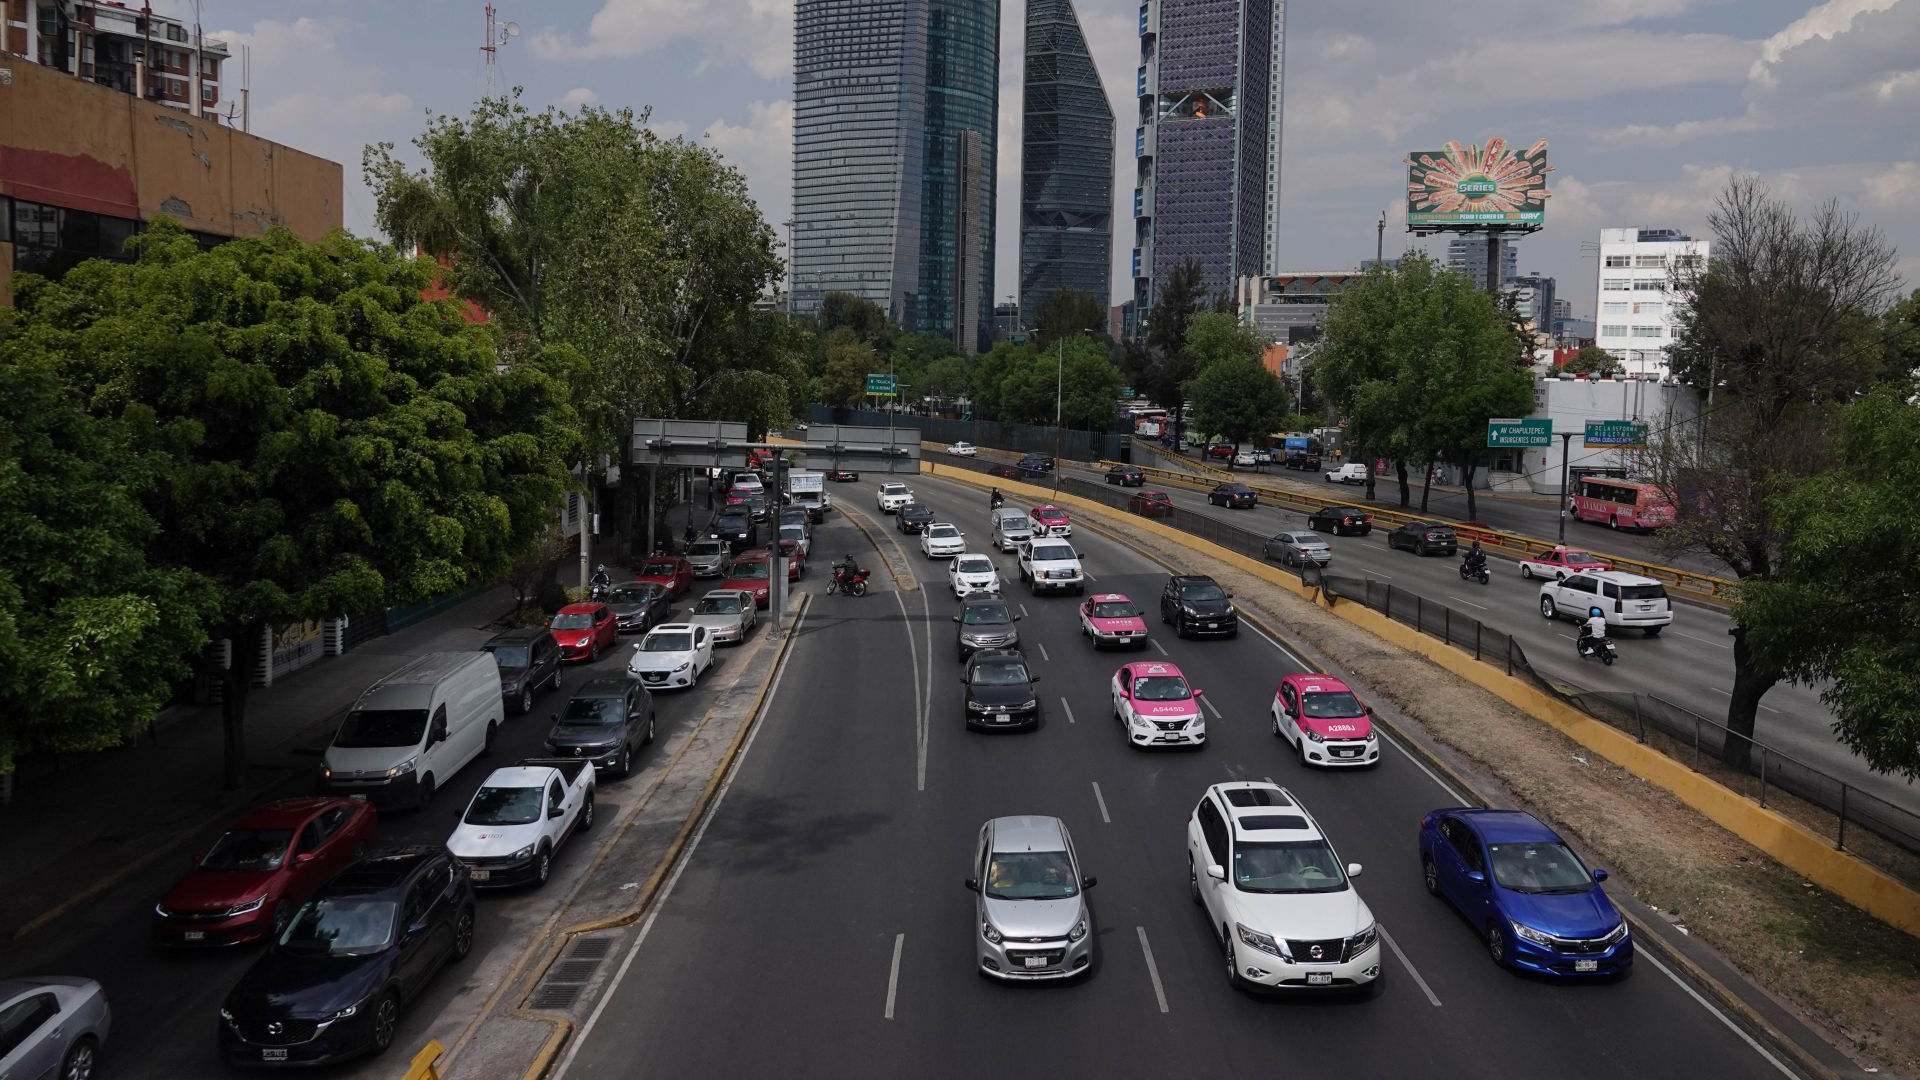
1621, 504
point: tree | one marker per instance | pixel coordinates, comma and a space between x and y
991, 372
1077, 371
1067, 312
843, 376
1784, 326
1842, 602
1238, 398
1213, 336
867, 320
950, 378
1593, 360
332, 443
1182, 295
538, 565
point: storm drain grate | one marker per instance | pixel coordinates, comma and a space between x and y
556, 997
568, 978
572, 971
592, 949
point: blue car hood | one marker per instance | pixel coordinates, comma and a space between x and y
1586, 914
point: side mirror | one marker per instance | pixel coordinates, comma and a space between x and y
1017, 618
1197, 692
972, 884
1033, 678
1217, 872
303, 858
1478, 877
1088, 883
554, 812
1353, 869
956, 618
554, 718
1599, 874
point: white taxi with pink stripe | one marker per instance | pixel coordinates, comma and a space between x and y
1112, 619
1156, 706
1324, 721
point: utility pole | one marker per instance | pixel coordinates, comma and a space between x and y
1059, 381
1566, 438
1380, 242
776, 566
1493, 262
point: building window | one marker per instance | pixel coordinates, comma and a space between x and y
1649, 308
1650, 262
1648, 332
1649, 284
1619, 262
1615, 284
1613, 330
1687, 262
1614, 307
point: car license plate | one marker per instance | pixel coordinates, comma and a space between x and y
361, 795
480, 875
1000, 718
1036, 961
1319, 978
1213, 626
274, 1053
1345, 753
1586, 965
194, 935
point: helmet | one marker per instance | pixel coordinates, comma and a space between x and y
1593, 611
600, 568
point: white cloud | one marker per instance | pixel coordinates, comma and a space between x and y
1685, 131
578, 96
1823, 22
1897, 85
758, 33
761, 147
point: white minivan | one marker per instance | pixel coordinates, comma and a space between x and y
411, 731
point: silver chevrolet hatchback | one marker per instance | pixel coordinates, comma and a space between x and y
1031, 919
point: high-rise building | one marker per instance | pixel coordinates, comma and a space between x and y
957, 205
1533, 297
131, 50
1202, 143
859, 152
1066, 163
1276, 114
1467, 254
1637, 304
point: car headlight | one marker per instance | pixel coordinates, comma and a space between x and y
975, 706
344, 1013
1528, 933
683, 667
402, 769
987, 931
247, 908
1255, 939
1363, 940
1030, 703
1618, 934
523, 853
1079, 931
1188, 610
1315, 736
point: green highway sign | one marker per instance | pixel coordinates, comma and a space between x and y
882, 386
1515, 433
1126, 393
1616, 434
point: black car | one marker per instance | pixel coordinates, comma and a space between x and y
758, 504
985, 623
605, 721
1340, 521
1000, 691
913, 517
529, 664
331, 987
1126, 476
735, 526
1195, 604
638, 606
1036, 463
1424, 538
1233, 495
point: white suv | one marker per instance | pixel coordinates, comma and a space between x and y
1627, 600
893, 496
1276, 895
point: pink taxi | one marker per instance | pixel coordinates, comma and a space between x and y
1156, 707
1324, 721
1049, 520
1112, 619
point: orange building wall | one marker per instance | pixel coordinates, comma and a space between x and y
1274, 357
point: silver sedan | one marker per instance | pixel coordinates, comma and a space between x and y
1298, 549
728, 614
52, 1026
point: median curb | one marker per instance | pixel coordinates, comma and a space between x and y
901, 572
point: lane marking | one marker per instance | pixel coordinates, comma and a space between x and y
1042, 646
1097, 797
1701, 640
1469, 603
1382, 577
919, 721
686, 859
1023, 611
1729, 693
1155, 642
1281, 649
1208, 704
1411, 970
1422, 766
1715, 1010
1068, 706
1159, 992
893, 974
1085, 574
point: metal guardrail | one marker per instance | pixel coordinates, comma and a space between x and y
1872, 829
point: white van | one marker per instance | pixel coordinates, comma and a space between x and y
411, 731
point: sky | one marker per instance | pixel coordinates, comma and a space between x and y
1648, 106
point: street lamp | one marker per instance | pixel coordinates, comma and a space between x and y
1059, 380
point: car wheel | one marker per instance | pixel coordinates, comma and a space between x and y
1430, 876
493, 732
525, 704
426, 790
79, 1061
1526, 571
1546, 606
386, 1020
463, 934
282, 915
593, 651
1193, 883
542, 867
1276, 723
586, 815
648, 741
1233, 968
1653, 631
1613, 523
1497, 946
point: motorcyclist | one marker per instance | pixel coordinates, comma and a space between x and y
845, 569
600, 579
1593, 633
995, 499
1475, 558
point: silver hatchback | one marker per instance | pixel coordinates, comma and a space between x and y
1031, 919
1298, 549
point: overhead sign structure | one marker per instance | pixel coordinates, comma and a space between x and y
863, 449
1519, 432
1473, 188
1616, 435
696, 444
882, 386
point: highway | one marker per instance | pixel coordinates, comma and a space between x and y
818, 926
1689, 664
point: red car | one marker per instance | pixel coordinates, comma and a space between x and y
1151, 504
749, 571
843, 476
672, 571
584, 630
796, 559
250, 882
1223, 451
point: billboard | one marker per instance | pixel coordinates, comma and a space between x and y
1477, 187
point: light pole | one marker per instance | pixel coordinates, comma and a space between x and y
1566, 439
1380, 241
1059, 380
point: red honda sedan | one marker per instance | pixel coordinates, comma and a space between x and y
672, 571
250, 882
584, 630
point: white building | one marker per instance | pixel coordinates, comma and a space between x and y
1634, 316
1571, 403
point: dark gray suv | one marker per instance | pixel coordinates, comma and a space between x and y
529, 664
606, 721
985, 623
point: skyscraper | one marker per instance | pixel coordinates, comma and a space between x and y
1276, 113
957, 207
1066, 163
859, 152
1467, 254
1201, 148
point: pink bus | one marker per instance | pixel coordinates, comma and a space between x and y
1621, 504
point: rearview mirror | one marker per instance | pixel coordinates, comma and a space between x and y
1197, 692
972, 884
1599, 874
1217, 872
1089, 883
1033, 678
1478, 877
1017, 618
554, 812
1353, 869
303, 858
956, 618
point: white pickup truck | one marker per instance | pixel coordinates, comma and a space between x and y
1048, 564
520, 817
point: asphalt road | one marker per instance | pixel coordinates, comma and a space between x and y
818, 926
1689, 664
166, 1006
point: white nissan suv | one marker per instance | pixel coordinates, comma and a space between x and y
1276, 895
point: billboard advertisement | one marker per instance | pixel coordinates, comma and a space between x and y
1477, 186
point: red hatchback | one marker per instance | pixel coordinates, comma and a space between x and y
584, 631
672, 571
1151, 504
796, 559
749, 571
249, 883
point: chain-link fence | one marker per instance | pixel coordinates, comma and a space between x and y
1073, 443
1877, 831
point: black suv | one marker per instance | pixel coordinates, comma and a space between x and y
913, 517
1424, 538
529, 664
985, 623
1195, 604
735, 526
332, 986
605, 722
1000, 691
1126, 476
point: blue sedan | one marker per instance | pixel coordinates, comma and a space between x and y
1535, 904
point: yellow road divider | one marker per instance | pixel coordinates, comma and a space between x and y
425, 1064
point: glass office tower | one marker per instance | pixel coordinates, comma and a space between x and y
963, 99
1066, 164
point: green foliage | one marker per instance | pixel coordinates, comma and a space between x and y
1167, 366
1079, 369
1593, 360
1900, 331
1215, 336
1845, 599
1237, 398
1069, 312
843, 375
867, 320
950, 378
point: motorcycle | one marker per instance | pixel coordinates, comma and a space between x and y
1605, 650
598, 591
995, 501
1475, 572
852, 586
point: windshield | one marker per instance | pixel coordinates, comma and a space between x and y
1015, 526
381, 727
793, 532
893, 489
248, 849
634, 594
1000, 673
504, 806
974, 566
1052, 553
706, 547
1580, 556
718, 605
751, 571
511, 656
578, 621
1643, 592
1031, 875
592, 711
1293, 866
984, 614
1161, 688
680, 642
340, 926
1206, 590
1333, 703
735, 520
661, 569
1542, 867
1115, 609
944, 532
